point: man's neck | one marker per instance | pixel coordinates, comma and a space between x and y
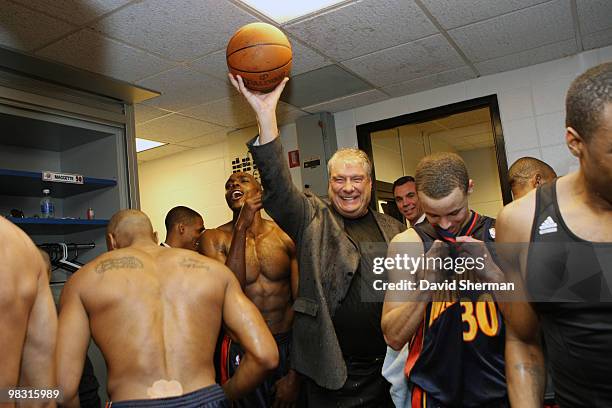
172, 241
584, 192
416, 220
467, 220
143, 244
255, 226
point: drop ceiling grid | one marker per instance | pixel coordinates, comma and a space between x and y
178, 47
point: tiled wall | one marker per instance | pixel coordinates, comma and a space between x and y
531, 103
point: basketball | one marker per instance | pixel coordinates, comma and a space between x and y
261, 54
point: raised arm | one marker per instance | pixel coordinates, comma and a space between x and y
73, 340
287, 205
525, 367
248, 326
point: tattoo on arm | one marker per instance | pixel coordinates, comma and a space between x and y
193, 264
127, 262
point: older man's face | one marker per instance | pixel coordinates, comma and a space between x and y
350, 189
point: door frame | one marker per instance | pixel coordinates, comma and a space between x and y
364, 139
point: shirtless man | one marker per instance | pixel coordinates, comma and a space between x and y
184, 227
143, 304
263, 258
28, 322
570, 218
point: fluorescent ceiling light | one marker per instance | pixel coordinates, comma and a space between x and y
283, 11
144, 144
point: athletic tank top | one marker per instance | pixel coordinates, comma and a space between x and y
577, 333
457, 354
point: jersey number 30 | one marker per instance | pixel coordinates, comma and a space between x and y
481, 315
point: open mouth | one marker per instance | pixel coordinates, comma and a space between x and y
236, 195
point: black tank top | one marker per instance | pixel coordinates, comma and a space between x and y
578, 331
458, 351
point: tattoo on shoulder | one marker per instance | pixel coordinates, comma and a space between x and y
192, 264
127, 262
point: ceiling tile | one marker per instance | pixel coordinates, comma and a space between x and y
205, 140
159, 152
515, 32
429, 82
144, 113
597, 40
323, 84
233, 112
455, 13
88, 50
181, 30
526, 58
213, 64
594, 15
363, 27
175, 128
305, 59
76, 12
24, 29
286, 113
408, 61
348, 102
183, 87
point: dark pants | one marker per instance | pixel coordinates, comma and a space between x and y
421, 399
207, 397
365, 387
263, 395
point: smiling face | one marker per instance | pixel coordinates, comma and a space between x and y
192, 233
350, 189
407, 201
450, 213
237, 187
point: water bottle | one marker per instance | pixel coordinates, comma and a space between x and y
47, 207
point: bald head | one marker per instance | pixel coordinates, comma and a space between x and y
127, 227
528, 173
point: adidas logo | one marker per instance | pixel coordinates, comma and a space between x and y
548, 226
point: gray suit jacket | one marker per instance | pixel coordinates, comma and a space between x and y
327, 260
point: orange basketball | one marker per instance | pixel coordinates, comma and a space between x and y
261, 54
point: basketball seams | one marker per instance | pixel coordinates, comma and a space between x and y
256, 45
265, 70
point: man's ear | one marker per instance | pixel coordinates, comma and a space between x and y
181, 228
470, 186
536, 180
574, 142
111, 243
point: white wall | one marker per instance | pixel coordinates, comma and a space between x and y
482, 167
531, 103
196, 178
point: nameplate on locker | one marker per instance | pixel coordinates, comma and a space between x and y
62, 177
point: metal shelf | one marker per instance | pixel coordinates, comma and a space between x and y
30, 184
56, 226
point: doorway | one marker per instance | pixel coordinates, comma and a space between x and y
471, 129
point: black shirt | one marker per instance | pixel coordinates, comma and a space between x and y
357, 322
578, 332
